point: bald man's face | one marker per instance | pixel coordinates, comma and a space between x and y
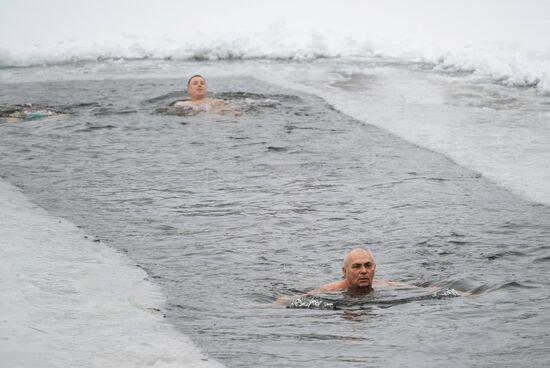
359, 269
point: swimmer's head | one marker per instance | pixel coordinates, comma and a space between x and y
359, 268
196, 87
195, 76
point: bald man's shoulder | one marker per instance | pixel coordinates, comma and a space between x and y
376, 282
333, 286
344, 285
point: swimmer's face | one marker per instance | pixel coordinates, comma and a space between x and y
197, 88
359, 269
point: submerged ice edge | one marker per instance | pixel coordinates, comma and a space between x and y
68, 301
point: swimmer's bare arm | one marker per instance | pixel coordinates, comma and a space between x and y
220, 104
212, 102
389, 283
286, 299
334, 286
216, 102
183, 103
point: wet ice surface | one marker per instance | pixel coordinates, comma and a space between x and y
228, 213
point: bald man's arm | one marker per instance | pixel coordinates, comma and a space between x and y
376, 282
334, 286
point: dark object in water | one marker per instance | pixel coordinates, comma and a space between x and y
28, 112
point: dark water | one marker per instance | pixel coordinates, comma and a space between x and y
226, 213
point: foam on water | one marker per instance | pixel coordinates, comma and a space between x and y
504, 40
330, 303
68, 301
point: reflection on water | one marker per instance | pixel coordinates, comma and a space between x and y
228, 213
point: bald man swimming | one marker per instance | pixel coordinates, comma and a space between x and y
358, 270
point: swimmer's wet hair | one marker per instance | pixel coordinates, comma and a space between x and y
190, 79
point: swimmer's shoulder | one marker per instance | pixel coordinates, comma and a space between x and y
377, 282
343, 284
214, 102
183, 103
333, 286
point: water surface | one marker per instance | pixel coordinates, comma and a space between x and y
226, 213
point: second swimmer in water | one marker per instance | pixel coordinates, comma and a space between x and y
198, 91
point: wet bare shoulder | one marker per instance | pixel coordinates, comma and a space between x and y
183, 103
386, 283
337, 285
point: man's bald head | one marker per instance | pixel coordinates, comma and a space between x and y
359, 268
350, 254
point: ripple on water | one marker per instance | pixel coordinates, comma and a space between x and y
383, 299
